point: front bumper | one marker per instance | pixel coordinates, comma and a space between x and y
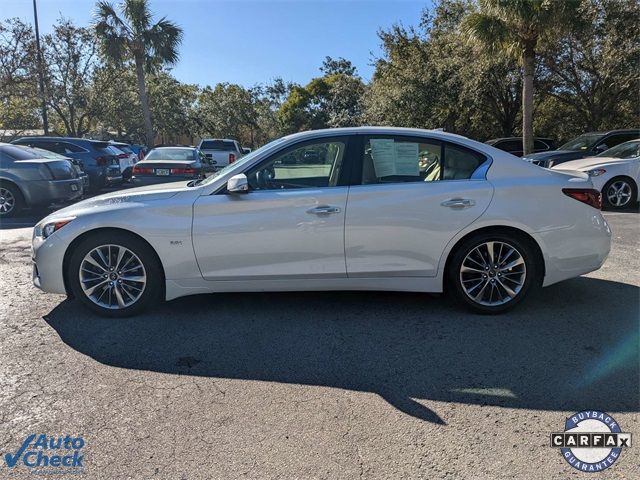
47, 257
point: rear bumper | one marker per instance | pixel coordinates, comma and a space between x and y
45, 192
575, 250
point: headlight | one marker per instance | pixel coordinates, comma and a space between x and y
596, 172
47, 229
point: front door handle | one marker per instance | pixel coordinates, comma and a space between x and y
323, 210
458, 203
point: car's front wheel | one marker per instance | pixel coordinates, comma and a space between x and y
115, 274
619, 193
492, 273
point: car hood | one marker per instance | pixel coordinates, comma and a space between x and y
132, 195
589, 163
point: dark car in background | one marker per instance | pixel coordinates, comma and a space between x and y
99, 162
586, 145
513, 145
170, 164
28, 179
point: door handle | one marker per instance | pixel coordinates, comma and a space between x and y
458, 203
323, 210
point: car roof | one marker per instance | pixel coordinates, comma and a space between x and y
64, 139
174, 148
373, 130
218, 140
516, 138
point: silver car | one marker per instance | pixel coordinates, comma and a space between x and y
28, 179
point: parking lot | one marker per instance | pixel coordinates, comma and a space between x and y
322, 385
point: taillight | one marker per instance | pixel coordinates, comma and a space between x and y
138, 170
101, 161
590, 196
232, 158
183, 171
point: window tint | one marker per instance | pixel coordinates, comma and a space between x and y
400, 159
460, 162
617, 139
510, 145
309, 166
624, 150
221, 145
171, 154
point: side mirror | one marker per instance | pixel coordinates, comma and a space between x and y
246, 150
602, 147
238, 184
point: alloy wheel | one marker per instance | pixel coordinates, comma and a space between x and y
7, 201
493, 273
112, 276
619, 193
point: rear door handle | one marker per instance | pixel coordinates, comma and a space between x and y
458, 203
323, 210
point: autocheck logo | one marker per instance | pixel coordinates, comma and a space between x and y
49, 455
592, 441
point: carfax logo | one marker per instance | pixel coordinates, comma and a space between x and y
48, 454
592, 441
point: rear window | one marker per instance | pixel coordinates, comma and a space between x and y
100, 146
171, 154
19, 153
222, 145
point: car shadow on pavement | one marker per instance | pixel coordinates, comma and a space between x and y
572, 346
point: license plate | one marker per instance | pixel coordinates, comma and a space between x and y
162, 171
74, 187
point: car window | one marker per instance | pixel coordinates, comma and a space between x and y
617, 139
311, 165
460, 162
583, 142
400, 159
16, 152
179, 154
624, 150
67, 147
511, 145
221, 145
540, 145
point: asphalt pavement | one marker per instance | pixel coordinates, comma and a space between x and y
321, 385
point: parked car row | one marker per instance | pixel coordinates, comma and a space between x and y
611, 159
97, 165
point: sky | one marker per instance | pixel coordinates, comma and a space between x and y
254, 41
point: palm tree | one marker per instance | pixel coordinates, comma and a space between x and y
134, 36
518, 28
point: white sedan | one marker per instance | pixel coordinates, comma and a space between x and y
338, 209
615, 173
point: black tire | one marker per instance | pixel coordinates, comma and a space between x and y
522, 246
11, 201
632, 187
153, 289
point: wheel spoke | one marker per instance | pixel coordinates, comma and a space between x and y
466, 269
514, 263
490, 252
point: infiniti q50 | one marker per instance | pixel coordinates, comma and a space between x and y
366, 208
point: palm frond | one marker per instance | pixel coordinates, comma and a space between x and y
111, 31
138, 13
164, 38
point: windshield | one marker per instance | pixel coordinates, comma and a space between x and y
244, 160
171, 154
624, 150
583, 142
221, 145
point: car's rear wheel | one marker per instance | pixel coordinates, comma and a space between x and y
493, 272
10, 200
619, 193
115, 274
